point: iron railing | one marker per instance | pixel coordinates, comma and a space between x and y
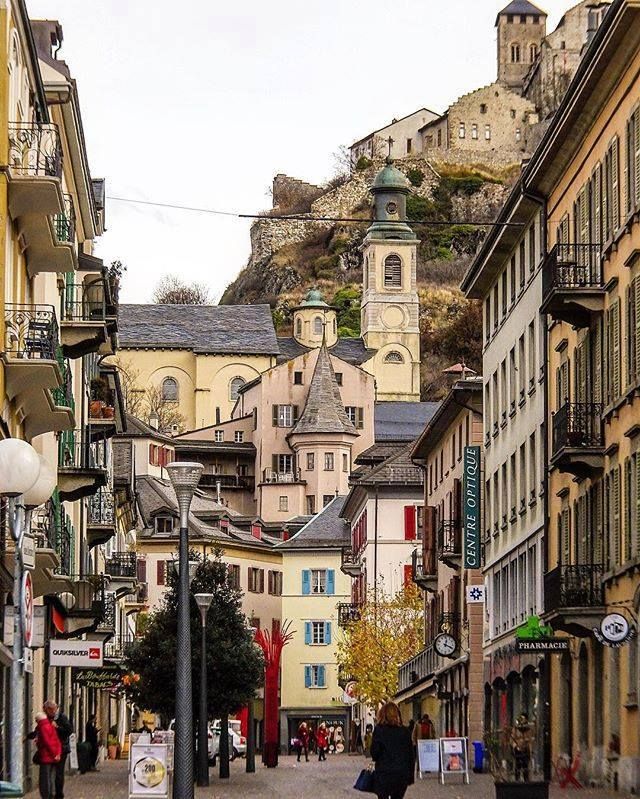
423, 567
271, 476
418, 668
107, 616
65, 536
139, 596
63, 395
82, 449
115, 648
574, 586
226, 480
572, 266
31, 331
350, 563
578, 425
348, 612
449, 538
122, 564
101, 509
43, 526
34, 149
64, 224
83, 302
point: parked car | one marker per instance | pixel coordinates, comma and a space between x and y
237, 741
213, 741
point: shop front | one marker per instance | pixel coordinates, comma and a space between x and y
336, 720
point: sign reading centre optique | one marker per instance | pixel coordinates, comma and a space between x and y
471, 508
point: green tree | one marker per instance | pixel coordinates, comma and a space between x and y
234, 663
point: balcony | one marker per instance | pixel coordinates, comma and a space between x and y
101, 518
137, 600
246, 482
271, 476
572, 285
574, 598
350, 564
450, 543
115, 648
37, 377
53, 538
348, 612
107, 614
82, 463
83, 318
418, 669
34, 170
122, 570
424, 572
578, 439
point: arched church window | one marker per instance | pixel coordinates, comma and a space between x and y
393, 271
298, 327
170, 389
234, 387
533, 52
393, 357
317, 326
515, 53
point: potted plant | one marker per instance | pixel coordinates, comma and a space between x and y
113, 745
99, 394
509, 756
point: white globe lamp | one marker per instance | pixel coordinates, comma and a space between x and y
44, 486
19, 467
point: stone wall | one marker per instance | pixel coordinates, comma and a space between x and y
293, 194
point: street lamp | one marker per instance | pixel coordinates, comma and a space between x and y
203, 601
27, 480
184, 479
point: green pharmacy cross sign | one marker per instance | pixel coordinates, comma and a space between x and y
535, 637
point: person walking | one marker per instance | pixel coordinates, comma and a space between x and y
91, 737
64, 728
48, 754
322, 740
392, 753
303, 737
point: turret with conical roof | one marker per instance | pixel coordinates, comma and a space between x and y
390, 189
314, 321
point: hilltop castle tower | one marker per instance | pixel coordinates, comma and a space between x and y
521, 28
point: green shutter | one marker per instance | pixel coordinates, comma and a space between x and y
596, 371
598, 527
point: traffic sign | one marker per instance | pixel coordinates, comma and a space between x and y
27, 608
28, 551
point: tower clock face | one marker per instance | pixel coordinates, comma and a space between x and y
445, 645
392, 208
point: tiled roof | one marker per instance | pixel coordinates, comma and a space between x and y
396, 470
521, 7
200, 328
136, 428
351, 350
379, 452
326, 530
402, 421
323, 411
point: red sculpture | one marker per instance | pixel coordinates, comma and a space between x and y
272, 644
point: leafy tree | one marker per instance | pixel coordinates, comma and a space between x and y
234, 663
171, 290
387, 634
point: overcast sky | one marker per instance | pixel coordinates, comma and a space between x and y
201, 103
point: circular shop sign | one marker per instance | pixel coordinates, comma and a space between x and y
614, 628
149, 772
27, 608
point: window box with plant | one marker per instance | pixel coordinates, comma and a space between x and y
101, 402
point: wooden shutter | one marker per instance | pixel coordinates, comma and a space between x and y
409, 522
360, 423
615, 543
636, 158
307, 676
628, 167
321, 676
141, 570
565, 541
306, 582
307, 633
615, 355
615, 185
429, 542
596, 362
598, 523
636, 292
327, 632
274, 415
636, 530
296, 414
407, 575
262, 581
161, 569
597, 205
331, 581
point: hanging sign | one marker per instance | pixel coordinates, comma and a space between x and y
471, 508
453, 758
104, 678
428, 755
28, 551
614, 630
475, 594
75, 653
27, 608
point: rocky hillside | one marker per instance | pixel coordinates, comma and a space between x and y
290, 256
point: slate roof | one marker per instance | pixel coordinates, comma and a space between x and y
521, 7
323, 411
326, 530
379, 452
396, 470
351, 350
200, 328
136, 428
401, 421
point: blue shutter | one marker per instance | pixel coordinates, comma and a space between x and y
327, 632
307, 676
321, 682
306, 581
331, 581
307, 632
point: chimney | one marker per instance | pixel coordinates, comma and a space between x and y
218, 490
154, 420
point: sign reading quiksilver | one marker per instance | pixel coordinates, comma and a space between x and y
471, 508
75, 653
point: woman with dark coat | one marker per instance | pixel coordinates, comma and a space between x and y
392, 753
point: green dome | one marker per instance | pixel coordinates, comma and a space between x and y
314, 297
390, 179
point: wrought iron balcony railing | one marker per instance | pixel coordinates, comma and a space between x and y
107, 613
65, 536
83, 302
424, 572
418, 668
122, 564
101, 510
31, 331
572, 266
574, 586
64, 224
449, 538
82, 449
578, 425
34, 149
226, 481
63, 395
271, 476
116, 647
348, 612
43, 526
139, 596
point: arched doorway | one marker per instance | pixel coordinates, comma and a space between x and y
582, 721
565, 726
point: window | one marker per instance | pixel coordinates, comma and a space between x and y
522, 257
326, 499
283, 504
513, 113
487, 319
474, 131
234, 387
256, 580
532, 249
164, 524
533, 52
408, 146
314, 676
512, 379
393, 357
495, 307
515, 53
512, 275
339, 378
439, 137
319, 581
298, 327
532, 354
233, 575
532, 468
393, 271
311, 504
522, 371
283, 464
461, 131
284, 415
328, 461
503, 281
238, 436
487, 132
311, 461
274, 582
297, 378
170, 389
317, 633
356, 416
345, 462
218, 435
483, 108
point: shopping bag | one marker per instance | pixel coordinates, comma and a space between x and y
365, 781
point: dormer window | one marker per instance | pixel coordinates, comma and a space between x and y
170, 389
393, 271
164, 525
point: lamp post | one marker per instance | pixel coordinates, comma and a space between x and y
184, 479
27, 480
203, 601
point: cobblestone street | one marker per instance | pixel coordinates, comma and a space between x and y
292, 781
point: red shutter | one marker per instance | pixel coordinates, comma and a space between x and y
160, 572
409, 522
151, 454
407, 574
141, 569
262, 581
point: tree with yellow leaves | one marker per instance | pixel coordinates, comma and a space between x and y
387, 633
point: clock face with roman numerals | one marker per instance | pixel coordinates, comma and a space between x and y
445, 645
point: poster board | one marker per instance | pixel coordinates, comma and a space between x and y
454, 759
148, 771
428, 756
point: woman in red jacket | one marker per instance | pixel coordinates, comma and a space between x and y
322, 739
49, 752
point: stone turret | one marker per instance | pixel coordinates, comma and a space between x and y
315, 322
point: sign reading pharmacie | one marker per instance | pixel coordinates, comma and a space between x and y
75, 653
471, 482
535, 637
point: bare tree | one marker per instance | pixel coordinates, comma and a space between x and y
149, 402
171, 290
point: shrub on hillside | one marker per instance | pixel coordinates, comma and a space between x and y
363, 163
418, 208
415, 176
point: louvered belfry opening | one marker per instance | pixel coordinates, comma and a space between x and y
393, 271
